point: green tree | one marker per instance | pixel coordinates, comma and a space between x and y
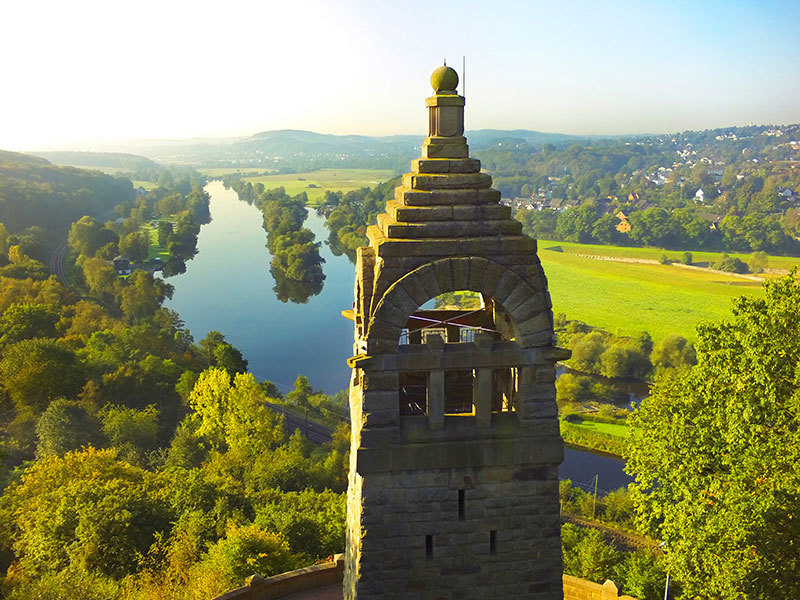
673, 352
230, 359
143, 295
246, 550
301, 392
39, 370
232, 414
164, 233
87, 510
66, 426
25, 320
758, 261
715, 454
84, 236
587, 554
135, 245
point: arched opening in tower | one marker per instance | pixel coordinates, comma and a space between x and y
459, 323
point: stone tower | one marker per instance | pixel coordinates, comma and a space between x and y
453, 484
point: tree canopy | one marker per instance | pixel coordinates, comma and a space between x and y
716, 454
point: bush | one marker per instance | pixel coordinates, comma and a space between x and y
587, 554
730, 264
686, 259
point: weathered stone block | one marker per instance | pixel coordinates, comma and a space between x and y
447, 181
386, 311
445, 151
460, 268
444, 275
429, 280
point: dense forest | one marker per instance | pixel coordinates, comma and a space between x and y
137, 463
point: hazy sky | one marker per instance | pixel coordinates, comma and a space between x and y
87, 70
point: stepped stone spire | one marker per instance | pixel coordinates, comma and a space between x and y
453, 484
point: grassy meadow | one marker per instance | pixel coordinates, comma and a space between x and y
343, 180
627, 298
222, 171
699, 258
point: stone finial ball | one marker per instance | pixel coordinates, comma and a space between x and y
444, 79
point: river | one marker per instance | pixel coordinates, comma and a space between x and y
228, 287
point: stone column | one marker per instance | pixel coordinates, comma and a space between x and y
482, 396
436, 399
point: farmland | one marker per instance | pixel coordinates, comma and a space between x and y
627, 298
315, 183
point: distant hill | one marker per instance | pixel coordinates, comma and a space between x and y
18, 158
35, 192
116, 160
297, 150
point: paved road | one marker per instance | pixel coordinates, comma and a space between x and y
314, 432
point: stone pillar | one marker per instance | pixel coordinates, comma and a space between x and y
436, 399
482, 397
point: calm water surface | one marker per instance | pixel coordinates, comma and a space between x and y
228, 287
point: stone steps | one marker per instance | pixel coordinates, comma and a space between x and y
447, 229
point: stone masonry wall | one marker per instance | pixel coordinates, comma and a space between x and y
401, 510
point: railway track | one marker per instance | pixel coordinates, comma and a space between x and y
314, 432
57, 263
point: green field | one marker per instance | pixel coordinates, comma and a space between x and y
615, 429
339, 180
775, 262
221, 172
627, 298
155, 250
147, 185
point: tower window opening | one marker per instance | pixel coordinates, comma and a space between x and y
414, 393
458, 391
404, 337
493, 541
505, 383
461, 507
429, 547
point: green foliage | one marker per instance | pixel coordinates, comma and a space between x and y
673, 352
37, 193
232, 415
302, 391
66, 426
86, 510
72, 583
643, 575
714, 453
246, 550
38, 370
686, 259
143, 294
731, 264
132, 431
25, 320
313, 523
758, 261
587, 554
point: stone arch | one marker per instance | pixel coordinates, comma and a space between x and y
527, 305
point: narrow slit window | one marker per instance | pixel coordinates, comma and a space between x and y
493, 542
461, 511
429, 547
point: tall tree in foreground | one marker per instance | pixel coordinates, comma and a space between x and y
716, 454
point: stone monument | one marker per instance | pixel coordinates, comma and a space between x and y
453, 483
